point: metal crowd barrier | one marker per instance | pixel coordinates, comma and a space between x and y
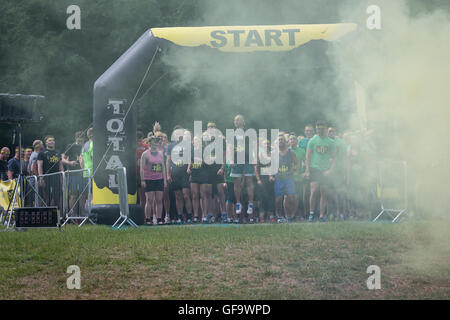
69, 191
392, 188
123, 200
78, 197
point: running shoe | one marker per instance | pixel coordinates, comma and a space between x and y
179, 221
205, 220
155, 221
195, 220
236, 221
188, 221
323, 219
229, 220
251, 220
167, 220
311, 217
224, 217
238, 208
250, 208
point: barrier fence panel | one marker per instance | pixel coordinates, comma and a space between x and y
392, 188
78, 196
123, 200
70, 192
51, 191
31, 196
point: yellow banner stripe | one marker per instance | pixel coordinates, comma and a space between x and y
253, 38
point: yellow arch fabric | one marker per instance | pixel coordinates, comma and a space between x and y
253, 38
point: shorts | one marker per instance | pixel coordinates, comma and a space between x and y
179, 181
242, 169
77, 183
200, 176
229, 193
213, 177
316, 175
284, 187
154, 185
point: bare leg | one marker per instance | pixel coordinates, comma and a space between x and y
195, 199
159, 203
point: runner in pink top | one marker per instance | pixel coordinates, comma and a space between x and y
153, 178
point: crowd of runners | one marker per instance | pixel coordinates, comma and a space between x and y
320, 176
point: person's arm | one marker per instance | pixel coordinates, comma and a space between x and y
143, 163
169, 167
297, 163
40, 167
34, 168
188, 170
307, 163
81, 161
65, 160
164, 174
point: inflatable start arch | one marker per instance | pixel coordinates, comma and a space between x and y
114, 112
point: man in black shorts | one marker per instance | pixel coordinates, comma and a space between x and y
177, 176
216, 172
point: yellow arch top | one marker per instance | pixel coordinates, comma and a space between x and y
253, 38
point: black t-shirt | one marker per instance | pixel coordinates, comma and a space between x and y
50, 160
3, 170
73, 152
13, 165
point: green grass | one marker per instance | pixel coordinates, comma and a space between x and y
295, 261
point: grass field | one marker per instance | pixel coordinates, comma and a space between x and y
287, 261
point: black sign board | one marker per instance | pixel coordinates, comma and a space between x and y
30, 217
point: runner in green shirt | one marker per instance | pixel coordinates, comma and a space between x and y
320, 162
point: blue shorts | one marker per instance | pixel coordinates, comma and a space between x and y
242, 169
284, 187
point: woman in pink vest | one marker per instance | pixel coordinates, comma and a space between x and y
153, 179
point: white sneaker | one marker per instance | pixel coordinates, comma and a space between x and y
238, 208
166, 220
250, 208
155, 221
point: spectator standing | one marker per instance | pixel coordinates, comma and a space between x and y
4, 155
